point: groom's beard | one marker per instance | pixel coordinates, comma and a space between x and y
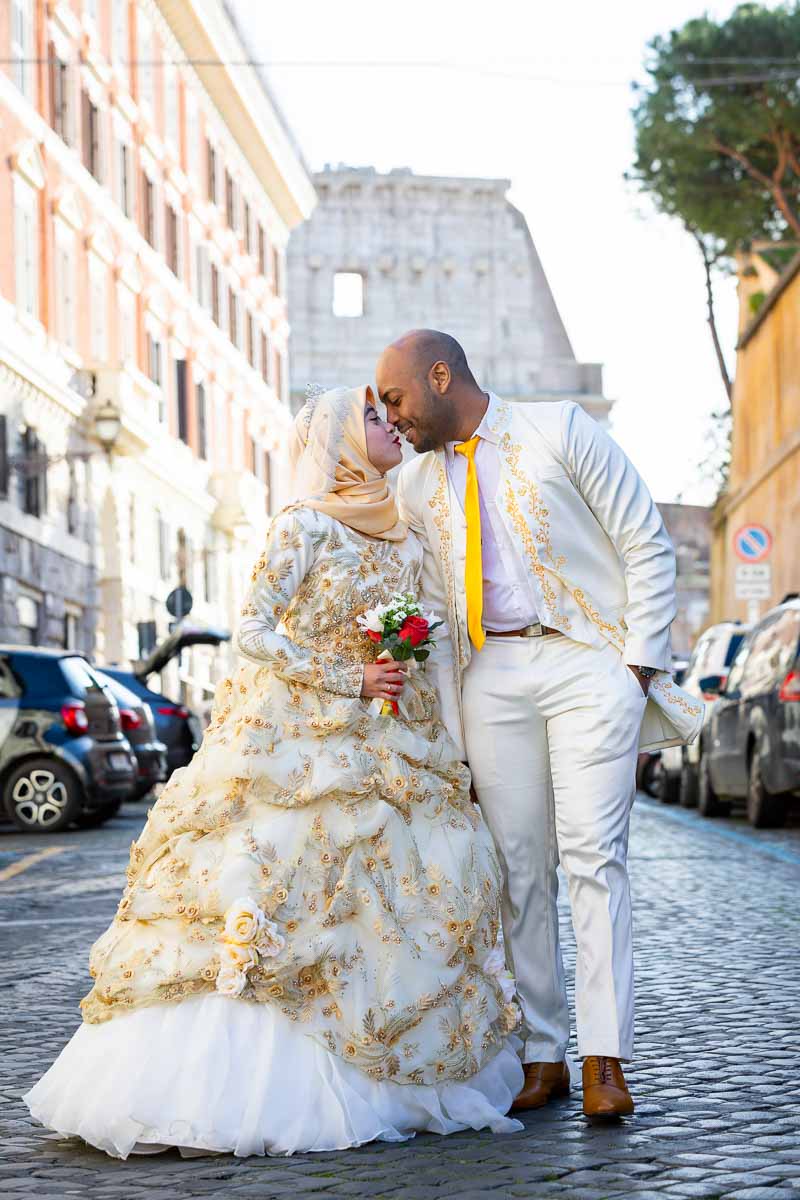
431, 428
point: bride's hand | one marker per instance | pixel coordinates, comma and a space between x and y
383, 680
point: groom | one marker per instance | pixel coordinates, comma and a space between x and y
547, 553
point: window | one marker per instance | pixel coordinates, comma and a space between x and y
26, 247
91, 141
268, 478
145, 78
215, 313
758, 670
65, 288
277, 381
59, 95
233, 317
4, 472
29, 619
250, 339
98, 283
247, 227
72, 501
211, 172
154, 361
182, 399
22, 46
264, 358
72, 616
262, 251
125, 184
230, 200
34, 474
202, 420
251, 462
149, 209
277, 275
126, 302
171, 238
209, 580
348, 294
171, 103
162, 535
120, 50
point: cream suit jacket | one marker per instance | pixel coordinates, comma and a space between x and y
601, 562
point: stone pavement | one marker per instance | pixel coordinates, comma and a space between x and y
716, 1076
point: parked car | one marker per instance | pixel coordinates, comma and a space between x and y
751, 749
138, 725
713, 654
64, 759
177, 727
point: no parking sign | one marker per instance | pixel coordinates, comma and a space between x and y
752, 543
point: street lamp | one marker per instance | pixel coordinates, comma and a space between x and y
107, 425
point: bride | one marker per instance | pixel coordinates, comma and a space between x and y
306, 954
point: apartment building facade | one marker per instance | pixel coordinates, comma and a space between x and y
149, 185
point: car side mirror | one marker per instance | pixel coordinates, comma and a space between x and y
712, 685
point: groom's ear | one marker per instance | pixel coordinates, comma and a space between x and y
440, 377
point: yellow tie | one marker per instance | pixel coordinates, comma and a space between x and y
473, 577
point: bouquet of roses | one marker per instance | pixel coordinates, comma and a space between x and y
403, 633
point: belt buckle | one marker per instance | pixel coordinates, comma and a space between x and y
534, 630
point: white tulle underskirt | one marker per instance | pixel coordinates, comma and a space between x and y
224, 1075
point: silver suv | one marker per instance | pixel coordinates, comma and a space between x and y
713, 654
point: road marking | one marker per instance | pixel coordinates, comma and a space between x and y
750, 840
30, 860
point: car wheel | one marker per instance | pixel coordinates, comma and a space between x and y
763, 810
43, 796
708, 801
687, 788
94, 818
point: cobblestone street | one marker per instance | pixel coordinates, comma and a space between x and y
715, 1076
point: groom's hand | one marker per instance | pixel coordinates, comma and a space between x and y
383, 680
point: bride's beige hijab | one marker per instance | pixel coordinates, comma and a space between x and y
333, 473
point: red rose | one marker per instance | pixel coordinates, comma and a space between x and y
373, 635
415, 629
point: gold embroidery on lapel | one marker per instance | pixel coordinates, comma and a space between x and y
528, 490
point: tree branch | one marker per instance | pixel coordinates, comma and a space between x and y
769, 182
708, 263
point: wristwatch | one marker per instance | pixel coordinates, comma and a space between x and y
647, 672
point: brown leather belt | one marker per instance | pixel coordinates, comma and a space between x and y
537, 630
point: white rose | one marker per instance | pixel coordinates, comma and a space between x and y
231, 982
243, 920
269, 941
238, 958
371, 622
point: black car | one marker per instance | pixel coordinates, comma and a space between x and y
751, 749
138, 725
63, 756
176, 725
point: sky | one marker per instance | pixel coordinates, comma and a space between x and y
538, 93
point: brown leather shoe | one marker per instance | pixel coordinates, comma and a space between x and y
543, 1081
605, 1092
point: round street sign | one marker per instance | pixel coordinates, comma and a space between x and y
752, 543
179, 602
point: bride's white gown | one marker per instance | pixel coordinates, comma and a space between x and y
306, 954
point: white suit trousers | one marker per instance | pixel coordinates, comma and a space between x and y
552, 729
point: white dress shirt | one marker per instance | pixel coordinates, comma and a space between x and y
509, 601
